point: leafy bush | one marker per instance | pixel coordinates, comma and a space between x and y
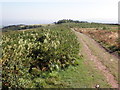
69, 21
31, 56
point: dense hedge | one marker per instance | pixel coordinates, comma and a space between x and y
30, 56
69, 21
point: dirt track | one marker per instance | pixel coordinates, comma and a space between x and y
91, 50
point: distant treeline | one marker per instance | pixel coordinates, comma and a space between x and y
77, 21
20, 27
69, 21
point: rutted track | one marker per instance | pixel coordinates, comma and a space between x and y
91, 50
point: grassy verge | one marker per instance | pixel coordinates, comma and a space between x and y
85, 75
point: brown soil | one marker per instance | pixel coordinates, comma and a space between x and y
106, 36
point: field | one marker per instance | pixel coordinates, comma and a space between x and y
107, 38
51, 56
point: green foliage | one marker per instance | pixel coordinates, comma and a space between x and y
29, 57
69, 21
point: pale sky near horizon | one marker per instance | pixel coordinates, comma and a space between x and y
48, 11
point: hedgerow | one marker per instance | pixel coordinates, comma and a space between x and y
31, 56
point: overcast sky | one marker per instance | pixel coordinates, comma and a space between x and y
48, 11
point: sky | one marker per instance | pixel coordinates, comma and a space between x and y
49, 11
